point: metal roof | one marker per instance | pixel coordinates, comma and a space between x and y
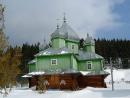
65, 31
52, 51
85, 73
102, 72
89, 40
32, 61
83, 55
90, 73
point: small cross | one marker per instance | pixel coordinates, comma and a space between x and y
64, 17
57, 23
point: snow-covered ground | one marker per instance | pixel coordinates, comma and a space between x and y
121, 79
122, 90
85, 93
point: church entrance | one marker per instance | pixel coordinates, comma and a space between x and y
54, 81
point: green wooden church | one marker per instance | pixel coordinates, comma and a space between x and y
66, 66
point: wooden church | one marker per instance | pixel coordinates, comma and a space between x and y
66, 66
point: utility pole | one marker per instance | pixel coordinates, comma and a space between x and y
112, 82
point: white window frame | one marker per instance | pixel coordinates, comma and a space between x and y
89, 62
53, 60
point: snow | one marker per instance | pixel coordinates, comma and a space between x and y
119, 75
33, 73
26, 76
84, 72
121, 86
85, 93
46, 53
33, 61
36, 73
63, 52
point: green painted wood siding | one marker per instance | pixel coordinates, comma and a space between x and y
74, 62
58, 43
96, 65
63, 62
89, 48
69, 45
32, 67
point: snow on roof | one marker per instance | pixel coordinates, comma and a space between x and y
84, 72
33, 74
46, 52
119, 75
32, 61
89, 73
51, 51
26, 76
36, 73
62, 52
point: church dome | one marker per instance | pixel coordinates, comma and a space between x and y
89, 40
65, 31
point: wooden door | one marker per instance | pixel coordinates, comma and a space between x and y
54, 82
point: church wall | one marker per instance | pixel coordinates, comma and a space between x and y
63, 62
74, 63
96, 65
32, 67
89, 48
58, 43
70, 44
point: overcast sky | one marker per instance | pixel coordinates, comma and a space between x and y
33, 20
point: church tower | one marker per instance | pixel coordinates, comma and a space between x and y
65, 36
89, 44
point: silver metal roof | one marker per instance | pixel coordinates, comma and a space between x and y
32, 61
83, 55
89, 40
65, 31
102, 72
52, 51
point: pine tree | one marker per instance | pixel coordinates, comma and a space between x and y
28, 52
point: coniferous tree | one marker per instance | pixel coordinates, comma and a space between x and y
115, 48
28, 52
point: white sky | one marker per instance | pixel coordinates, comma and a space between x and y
31, 20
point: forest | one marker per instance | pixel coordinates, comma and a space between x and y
113, 48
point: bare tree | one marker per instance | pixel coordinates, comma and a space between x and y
9, 70
41, 86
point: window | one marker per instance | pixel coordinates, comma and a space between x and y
72, 46
53, 61
89, 65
